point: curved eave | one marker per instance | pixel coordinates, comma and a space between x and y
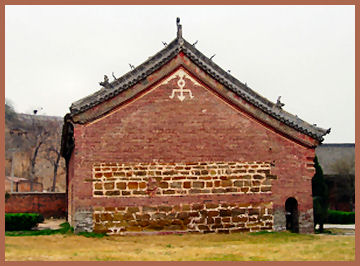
169, 52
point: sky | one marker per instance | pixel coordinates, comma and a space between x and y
56, 55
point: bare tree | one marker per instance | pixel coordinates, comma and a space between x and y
53, 154
38, 137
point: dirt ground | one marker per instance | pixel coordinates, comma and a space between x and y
51, 224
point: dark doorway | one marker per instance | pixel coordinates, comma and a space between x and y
292, 215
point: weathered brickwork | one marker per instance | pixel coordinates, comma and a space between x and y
49, 204
141, 179
155, 130
204, 218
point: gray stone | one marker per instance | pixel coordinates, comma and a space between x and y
279, 219
83, 221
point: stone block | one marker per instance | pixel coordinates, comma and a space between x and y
121, 185
133, 185
109, 185
112, 193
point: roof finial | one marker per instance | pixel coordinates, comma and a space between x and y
278, 103
179, 29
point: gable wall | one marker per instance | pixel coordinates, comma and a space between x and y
205, 130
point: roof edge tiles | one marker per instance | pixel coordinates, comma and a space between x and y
179, 44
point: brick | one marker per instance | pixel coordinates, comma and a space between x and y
240, 230
210, 220
244, 189
198, 184
203, 227
112, 193
239, 219
176, 184
194, 214
238, 183
212, 213
98, 186
211, 205
165, 208
264, 171
255, 189
109, 185
133, 185
253, 218
117, 174
255, 183
226, 183
108, 174
218, 190
172, 172
230, 190
186, 207
253, 211
216, 226
245, 177
169, 191
225, 212
195, 191
117, 216
149, 209
197, 207
236, 212
133, 209
265, 189
142, 185
121, 185
139, 192
271, 176
182, 215
164, 184
178, 178
98, 175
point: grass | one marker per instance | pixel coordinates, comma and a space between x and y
260, 246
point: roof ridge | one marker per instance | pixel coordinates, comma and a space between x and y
179, 44
250, 95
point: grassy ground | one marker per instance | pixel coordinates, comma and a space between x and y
281, 246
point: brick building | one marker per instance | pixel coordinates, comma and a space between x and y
180, 145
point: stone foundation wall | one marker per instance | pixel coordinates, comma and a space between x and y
141, 179
204, 218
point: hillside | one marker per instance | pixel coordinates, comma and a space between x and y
32, 144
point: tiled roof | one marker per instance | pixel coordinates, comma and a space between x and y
169, 52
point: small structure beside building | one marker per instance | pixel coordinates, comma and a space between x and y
180, 145
20, 184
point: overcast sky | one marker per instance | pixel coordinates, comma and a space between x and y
56, 55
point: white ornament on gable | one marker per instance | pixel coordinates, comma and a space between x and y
181, 83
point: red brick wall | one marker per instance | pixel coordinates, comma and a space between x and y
156, 128
48, 204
